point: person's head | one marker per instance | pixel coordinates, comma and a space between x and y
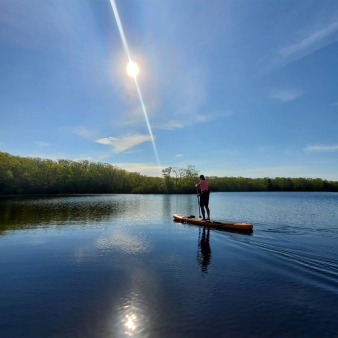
202, 177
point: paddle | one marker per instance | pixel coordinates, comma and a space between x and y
199, 206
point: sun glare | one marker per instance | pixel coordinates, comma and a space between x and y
130, 325
132, 69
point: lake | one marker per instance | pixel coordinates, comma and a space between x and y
118, 266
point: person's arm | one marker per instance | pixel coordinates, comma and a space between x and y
198, 184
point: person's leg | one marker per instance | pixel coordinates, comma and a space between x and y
203, 211
207, 205
202, 205
208, 211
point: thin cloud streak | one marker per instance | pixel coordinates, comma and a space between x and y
320, 148
171, 125
308, 41
125, 142
189, 120
312, 40
212, 116
285, 95
42, 144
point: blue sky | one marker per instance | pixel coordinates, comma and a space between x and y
236, 88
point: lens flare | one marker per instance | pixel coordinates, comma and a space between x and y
124, 41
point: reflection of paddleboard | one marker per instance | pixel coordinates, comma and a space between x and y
191, 219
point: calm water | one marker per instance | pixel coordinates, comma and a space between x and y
118, 266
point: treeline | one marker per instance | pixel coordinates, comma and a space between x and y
24, 175
181, 179
271, 184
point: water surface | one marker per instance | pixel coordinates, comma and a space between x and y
118, 266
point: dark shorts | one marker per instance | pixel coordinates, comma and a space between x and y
204, 199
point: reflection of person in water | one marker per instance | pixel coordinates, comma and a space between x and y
204, 252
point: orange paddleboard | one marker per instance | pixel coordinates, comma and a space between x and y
191, 219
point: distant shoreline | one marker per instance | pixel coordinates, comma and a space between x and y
32, 176
174, 193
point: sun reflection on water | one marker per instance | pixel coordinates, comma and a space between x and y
130, 324
132, 320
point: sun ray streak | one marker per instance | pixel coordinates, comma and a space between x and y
147, 121
124, 41
119, 25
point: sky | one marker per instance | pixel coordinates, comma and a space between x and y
235, 88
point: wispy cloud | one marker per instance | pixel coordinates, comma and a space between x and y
85, 132
285, 95
334, 104
321, 148
190, 120
142, 168
308, 41
124, 142
179, 155
169, 125
213, 116
42, 144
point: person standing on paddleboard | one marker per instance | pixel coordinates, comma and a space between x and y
204, 197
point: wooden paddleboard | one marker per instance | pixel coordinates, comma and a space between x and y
191, 219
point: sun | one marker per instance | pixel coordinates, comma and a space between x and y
132, 69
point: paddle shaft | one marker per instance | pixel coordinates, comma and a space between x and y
199, 205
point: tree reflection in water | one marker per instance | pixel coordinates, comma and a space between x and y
204, 251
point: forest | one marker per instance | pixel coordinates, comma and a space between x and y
26, 175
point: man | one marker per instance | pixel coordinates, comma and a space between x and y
204, 197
